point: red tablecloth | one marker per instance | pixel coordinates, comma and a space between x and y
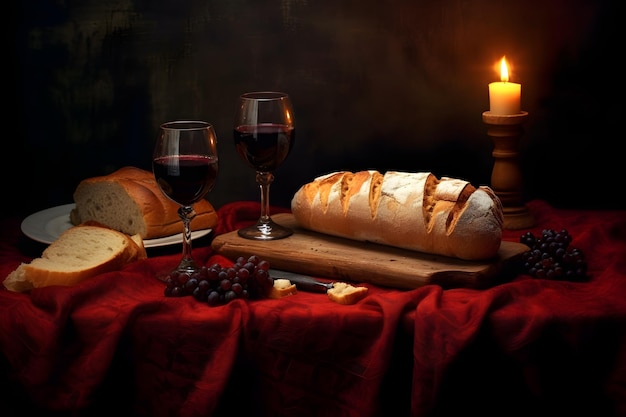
115, 345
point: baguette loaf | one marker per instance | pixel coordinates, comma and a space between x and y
130, 201
79, 253
415, 211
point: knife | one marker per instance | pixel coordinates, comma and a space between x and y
303, 282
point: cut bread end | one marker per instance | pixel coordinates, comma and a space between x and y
344, 293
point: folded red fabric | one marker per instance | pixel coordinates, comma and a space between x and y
554, 347
116, 339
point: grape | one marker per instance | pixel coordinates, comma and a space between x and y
242, 275
263, 264
229, 295
213, 298
225, 284
237, 288
550, 256
247, 278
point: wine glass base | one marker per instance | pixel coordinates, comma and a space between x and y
265, 231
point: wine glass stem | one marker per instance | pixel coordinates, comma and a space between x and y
264, 179
186, 214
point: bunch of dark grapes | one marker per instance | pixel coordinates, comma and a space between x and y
551, 256
217, 285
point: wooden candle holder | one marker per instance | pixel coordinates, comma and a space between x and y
506, 177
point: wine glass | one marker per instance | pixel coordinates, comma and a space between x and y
185, 167
264, 134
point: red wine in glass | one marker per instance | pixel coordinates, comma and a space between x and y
264, 147
185, 165
264, 133
185, 178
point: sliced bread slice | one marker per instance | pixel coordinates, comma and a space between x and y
80, 252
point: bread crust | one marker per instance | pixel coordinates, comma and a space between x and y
409, 210
146, 210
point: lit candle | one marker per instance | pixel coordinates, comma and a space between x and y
504, 97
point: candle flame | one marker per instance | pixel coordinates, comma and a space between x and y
504, 71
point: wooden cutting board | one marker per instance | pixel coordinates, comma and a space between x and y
325, 256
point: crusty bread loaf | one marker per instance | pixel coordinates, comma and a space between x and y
129, 200
80, 252
344, 293
410, 210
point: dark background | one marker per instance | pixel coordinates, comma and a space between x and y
383, 85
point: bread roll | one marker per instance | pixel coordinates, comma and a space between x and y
129, 200
409, 210
79, 253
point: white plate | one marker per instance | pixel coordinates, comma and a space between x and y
47, 225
